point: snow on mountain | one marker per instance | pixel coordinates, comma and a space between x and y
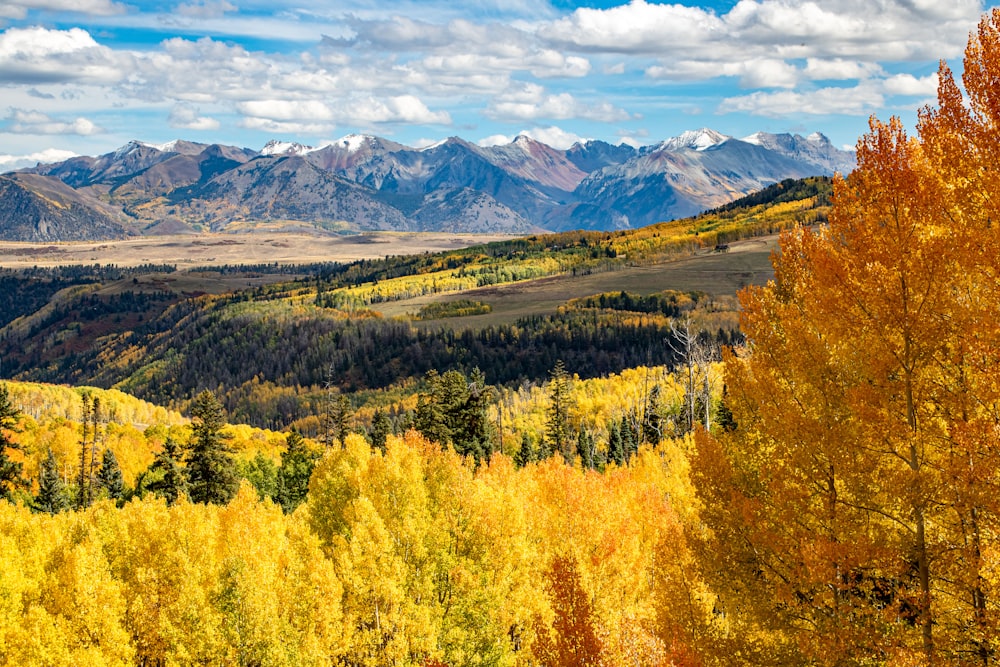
275, 147
354, 142
697, 140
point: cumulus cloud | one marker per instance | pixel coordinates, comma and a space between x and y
532, 102
861, 100
11, 162
34, 122
186, 117
553, 136
321, 116
39, 55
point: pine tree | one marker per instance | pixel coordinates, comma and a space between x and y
526, 454
109, 477
51, 496
211, 470
616, 446
297, 463
557, 432
10, 471
172, 483
381, 428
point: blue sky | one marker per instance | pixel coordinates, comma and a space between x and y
86, 76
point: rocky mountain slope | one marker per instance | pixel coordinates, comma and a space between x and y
366, 182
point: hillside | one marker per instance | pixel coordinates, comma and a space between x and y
366, 325
369, 183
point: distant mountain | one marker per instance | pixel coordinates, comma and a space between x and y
40, 209
363, 182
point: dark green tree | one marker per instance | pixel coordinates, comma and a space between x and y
51, 496
340, 417
211, 471
11, 478
616, 445
557, 431
297, 463
652, 418
167, 476
381, 428
109, 477
526, 454
472, 430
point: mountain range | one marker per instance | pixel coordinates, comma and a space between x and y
363, 182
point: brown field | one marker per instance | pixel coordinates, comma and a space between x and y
189, 251
718, 274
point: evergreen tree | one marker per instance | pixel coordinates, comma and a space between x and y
10, 470
630, 440
652, 419
297, 463
340, 417
169, 480
211, 470
381, 428
585, 448
557, 425
616, 445
109, 477
444, 394
471, 422
526, 454
51, 496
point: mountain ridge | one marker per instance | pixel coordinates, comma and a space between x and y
366, 182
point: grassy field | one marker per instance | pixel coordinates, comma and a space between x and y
189, 251
718, 274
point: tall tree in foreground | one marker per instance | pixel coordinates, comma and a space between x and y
211, 470
11, 478
51, 497
557, 428
854, 505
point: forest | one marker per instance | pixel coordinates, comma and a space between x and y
816, 488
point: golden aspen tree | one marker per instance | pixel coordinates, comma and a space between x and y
853, 506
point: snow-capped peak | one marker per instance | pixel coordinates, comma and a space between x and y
698, 140
354, 142
164, 148
817, 138
757, 139
275, 147
134, 144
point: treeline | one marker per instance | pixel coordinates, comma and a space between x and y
25, 291
788, 190
240, 349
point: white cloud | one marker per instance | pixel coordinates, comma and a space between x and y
35, 122
186, 117
553, 136
861, 100
637, 27
907, 84
39, 55
365, 111
11, 162
839, 69
532, 102
18, 9
207, 9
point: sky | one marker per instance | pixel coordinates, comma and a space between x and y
84, 77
